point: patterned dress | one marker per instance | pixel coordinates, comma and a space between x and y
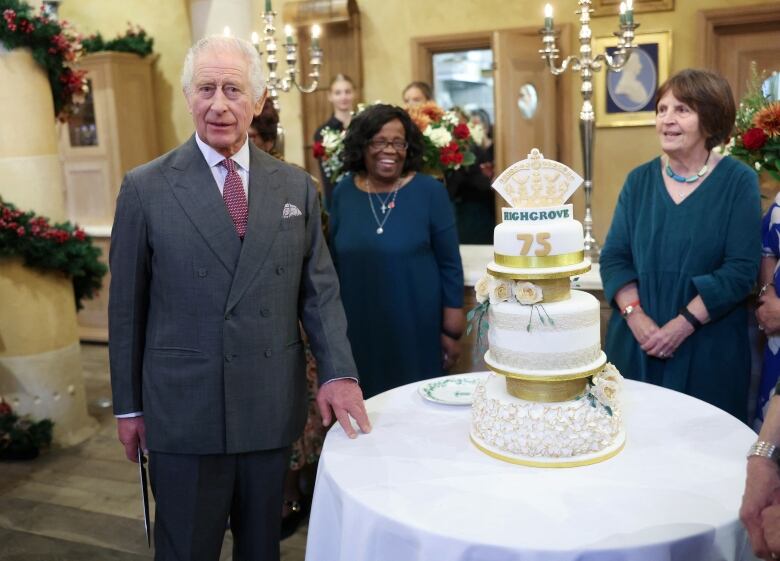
770, 373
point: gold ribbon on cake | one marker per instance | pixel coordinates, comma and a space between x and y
536, 262
545, 391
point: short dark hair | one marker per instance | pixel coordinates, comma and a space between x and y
424, 87
367, 123
710, 96
267, 122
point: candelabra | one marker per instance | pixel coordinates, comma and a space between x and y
274, 82
586, 64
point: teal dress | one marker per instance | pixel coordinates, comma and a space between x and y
395, 285
710, 246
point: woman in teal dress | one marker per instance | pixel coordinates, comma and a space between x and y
683, 252
395, 246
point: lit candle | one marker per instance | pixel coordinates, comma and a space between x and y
288, 33
268, 8
255, 38
629, 12
315, 36
226, 31
622, 14
548, 17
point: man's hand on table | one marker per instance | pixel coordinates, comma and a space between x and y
343, 399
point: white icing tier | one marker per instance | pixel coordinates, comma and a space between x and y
570, 341
569, 433
533, 226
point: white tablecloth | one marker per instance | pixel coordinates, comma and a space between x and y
416, 489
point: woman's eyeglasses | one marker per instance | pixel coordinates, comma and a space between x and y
377, 145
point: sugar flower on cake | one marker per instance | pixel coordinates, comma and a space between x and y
606, 386
528, 293
482, 288
500, 291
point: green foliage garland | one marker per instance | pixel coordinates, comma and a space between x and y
61, 247
21, 438
135, 40
54, 46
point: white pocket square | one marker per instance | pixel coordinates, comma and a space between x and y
290, 211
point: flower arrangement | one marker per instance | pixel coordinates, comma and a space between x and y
21, 438
604, 388
134, 40
446, 141
60, 247
446, 138
54, 45
757, 138
328, 151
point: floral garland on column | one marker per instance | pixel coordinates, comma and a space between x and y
54, 45
60, 247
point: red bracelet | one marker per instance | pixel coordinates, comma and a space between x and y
633, 304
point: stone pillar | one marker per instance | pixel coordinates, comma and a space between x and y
40, 357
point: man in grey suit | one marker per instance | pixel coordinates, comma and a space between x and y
216, 254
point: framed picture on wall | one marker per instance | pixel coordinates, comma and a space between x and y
611, 7
627, 98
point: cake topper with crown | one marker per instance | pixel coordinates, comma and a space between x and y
537, 182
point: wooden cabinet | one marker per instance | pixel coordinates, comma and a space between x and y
113, 131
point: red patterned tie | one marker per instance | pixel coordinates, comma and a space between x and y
235, 198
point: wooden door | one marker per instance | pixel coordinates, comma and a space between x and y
734, 37
521, 78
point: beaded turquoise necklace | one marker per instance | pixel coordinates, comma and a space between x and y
692, 179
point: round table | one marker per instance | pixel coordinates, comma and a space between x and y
416, 489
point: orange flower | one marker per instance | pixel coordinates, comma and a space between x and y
425, 114
768, 119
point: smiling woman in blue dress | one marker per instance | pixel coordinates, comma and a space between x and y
395, 247
683, 251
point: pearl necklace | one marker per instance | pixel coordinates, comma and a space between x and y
388, 204
692, 179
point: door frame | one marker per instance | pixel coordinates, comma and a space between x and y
423, 49
719, 22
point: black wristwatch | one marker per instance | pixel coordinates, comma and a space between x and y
692, 319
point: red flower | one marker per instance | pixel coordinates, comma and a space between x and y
79, 234
318, 150
20, 231
754, 139
5, 409
461, 131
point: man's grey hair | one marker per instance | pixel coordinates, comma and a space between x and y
222, 42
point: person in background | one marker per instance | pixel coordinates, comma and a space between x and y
768, 312
341, 95
472, 195
677, 283
395, 246
306, 450
417, 93
216, 257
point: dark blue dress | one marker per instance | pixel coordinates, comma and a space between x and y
708, 245
395, 285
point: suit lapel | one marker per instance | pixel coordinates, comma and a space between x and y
266, 203
194, 188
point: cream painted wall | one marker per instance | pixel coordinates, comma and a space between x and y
387, 30
388, 27
168, 23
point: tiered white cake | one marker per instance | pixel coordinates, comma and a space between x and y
553, 399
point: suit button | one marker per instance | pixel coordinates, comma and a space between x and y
268, 353
265, 312
202, 272
228, 358
280, 270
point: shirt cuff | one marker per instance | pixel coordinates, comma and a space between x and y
342, 378
130, 415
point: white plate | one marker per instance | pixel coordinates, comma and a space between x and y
457, 389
